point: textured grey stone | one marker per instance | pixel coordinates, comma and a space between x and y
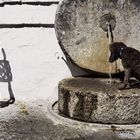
95, 100
80, 36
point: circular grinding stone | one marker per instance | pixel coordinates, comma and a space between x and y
81, 30
95, 100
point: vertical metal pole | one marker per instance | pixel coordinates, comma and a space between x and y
110, 33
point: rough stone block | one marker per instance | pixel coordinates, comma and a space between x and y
95, 100
79, 32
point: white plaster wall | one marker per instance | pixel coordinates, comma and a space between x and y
14, 14
32, 53
37, 0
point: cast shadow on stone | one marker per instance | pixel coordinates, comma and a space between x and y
134, 84
77, 71
6, 77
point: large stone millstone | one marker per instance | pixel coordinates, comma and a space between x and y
94, 100
79, 28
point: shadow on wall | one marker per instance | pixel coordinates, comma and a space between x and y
6, 76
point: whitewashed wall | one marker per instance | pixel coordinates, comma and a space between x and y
17, 14
32, 52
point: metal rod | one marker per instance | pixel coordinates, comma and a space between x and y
110, 33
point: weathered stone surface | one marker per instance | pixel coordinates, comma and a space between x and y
80, 36
95, 100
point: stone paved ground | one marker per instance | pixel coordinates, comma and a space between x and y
30, 121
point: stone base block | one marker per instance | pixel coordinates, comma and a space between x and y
96, 100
